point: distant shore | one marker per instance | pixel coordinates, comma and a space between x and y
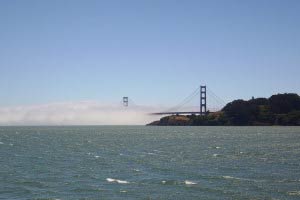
279, 109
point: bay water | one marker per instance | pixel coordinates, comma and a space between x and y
141, 162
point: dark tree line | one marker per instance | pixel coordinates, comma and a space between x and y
280, 109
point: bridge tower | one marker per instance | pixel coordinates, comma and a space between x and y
203, 100
125, 101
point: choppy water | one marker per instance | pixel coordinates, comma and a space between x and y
136, 162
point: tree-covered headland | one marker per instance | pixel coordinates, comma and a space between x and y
280, 109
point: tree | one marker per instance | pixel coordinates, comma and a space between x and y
284, 103
241, 112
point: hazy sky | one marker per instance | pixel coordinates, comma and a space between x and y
154, 51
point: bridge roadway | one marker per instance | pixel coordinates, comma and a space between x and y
177, 113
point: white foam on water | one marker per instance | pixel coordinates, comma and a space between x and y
189, 182
123, 191
244, 179
112, 180
1, 143
97, 156
230, 177
136, 170
215, 155
122, 182
11, 144
163, 182
293, 193
218, 147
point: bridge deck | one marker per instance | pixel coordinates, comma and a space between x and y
176, 113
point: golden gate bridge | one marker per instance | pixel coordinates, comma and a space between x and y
208, 102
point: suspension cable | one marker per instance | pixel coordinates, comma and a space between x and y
185, 100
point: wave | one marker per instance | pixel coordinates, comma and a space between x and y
293, 193
242, 179
189, 182
230, 177
175, 182
111, 180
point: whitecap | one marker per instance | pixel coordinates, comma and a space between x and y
189, 182
110, 180
1, 143
116, 181
244, 179
229, 177
218, 147
215, 155
123, 191
97, 156
122, 182
163, 182
293, 193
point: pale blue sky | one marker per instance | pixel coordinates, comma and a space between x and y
154, 51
